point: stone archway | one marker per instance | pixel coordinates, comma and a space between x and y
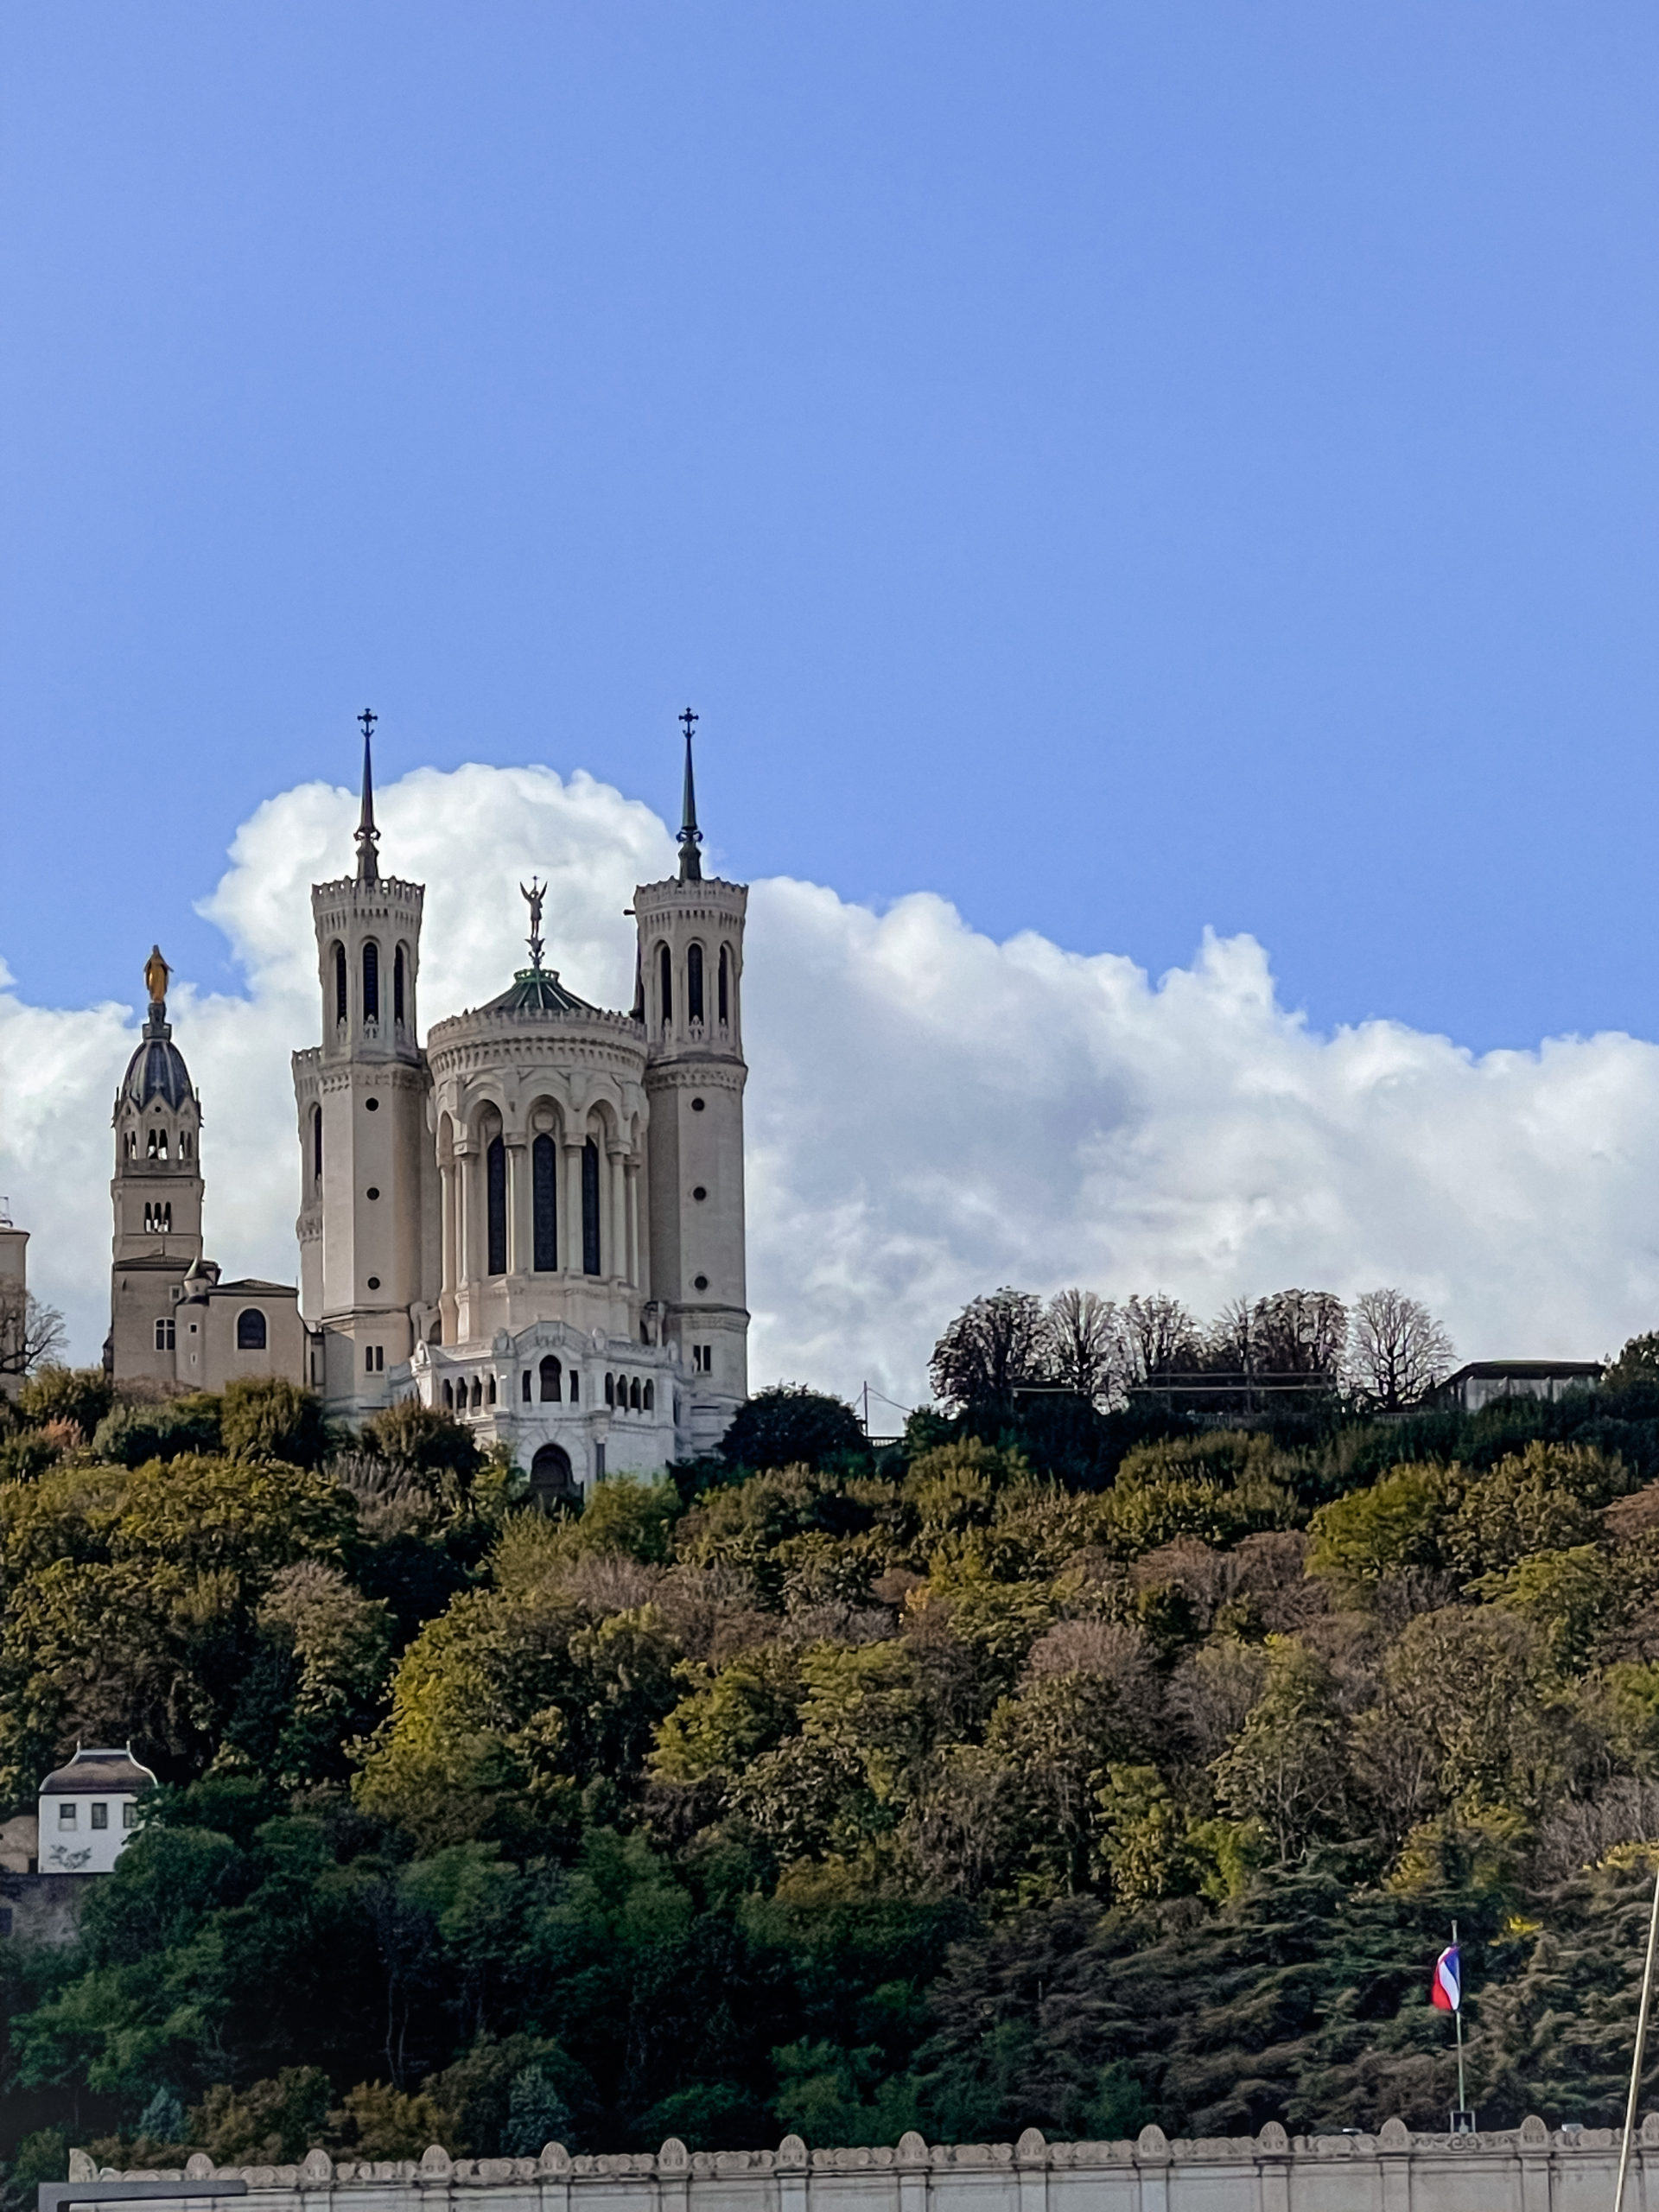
551, 1481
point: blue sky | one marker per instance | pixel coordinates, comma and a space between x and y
1125, 468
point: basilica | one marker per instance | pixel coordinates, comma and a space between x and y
534, 1220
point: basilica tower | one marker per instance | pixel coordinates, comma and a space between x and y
690, 998
155, 1193
361, 1098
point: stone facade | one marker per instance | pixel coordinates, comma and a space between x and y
1528, 2169
14, 1299
173, 1321
535, 1221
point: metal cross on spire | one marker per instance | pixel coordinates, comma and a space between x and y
690, 836
368, 862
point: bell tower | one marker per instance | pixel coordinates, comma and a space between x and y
361, 1099
690, 998
155, 1191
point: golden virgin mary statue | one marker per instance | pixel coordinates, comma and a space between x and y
156, 972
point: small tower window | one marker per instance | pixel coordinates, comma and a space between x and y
397, 985
342, 997
152, 1149
132, 1144
724, 985
694, 983
371, 982
549, 1374
251, 1330
316, 1143
544, 1204
590, 1208
665, 969
495, 1174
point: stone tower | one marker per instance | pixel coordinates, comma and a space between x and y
364, 1148
690, 998
156, 1195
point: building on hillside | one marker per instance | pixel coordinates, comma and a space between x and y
173, 1319
1484, 1380
535, 1221
14, 1300
88, 1810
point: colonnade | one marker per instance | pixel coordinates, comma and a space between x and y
615, 1212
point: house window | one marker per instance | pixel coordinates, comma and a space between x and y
694, 983
166, 1334
590, 1208
374, 1359
66, 1811
495, 1177
703, 1359
100, 1816
544, 1203
371, 982
251, 1330
128, 1815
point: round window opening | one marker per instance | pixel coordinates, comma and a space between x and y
373, 1193
699, 1192
374, 1282
697, 1105
699, 1282
373, 1105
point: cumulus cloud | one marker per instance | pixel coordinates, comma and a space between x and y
930, 1113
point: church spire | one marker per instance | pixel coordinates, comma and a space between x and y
368, 862
690, 836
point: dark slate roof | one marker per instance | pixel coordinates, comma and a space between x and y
537, 990
156, 1070
90, 1772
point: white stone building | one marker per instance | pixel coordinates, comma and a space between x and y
88, 1810
538, 1219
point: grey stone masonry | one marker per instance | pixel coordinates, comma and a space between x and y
1527, 2169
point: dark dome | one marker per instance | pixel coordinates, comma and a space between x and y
156, 1070
538, 990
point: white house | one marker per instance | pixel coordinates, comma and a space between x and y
88, 1809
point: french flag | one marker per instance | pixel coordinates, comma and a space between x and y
1445, 1991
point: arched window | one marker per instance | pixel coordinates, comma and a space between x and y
495, 1178
151, 1149
130, 1143
342, 1006
162, 1146
551, 1482
544, 1203
650, 1396
489, 1394
633, 1395
665, 970
371, 982
477, 1394
694, 984
449, 1397
398, 984
250, 1330
723, 986
590, 1208
525, 1393
549, 1374
610, 1389
316, 1143
575, 1385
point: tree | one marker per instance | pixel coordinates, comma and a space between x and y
1288, 1768
1397, 1352
994, 1344
1159, 1337
79, 1394
31, 1336
1299, 1333
271, 1418
789, 1426
1082, 1342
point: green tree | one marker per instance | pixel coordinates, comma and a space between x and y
791, 1426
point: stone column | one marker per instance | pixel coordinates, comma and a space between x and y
573, 1204
615, 1155
631, 1172
521, 1249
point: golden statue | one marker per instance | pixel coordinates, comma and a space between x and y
156, 972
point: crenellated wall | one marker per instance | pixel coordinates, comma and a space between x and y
1527, 2169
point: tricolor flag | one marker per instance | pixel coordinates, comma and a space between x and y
1445, 1991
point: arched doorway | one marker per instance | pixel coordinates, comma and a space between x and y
551, 1482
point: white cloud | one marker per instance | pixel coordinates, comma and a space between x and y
930, 1113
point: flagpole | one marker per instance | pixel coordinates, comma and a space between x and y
1641, 2046
1463, 2101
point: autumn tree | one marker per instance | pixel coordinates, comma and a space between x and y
994, 1344
1081, 1341
1397, 1352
